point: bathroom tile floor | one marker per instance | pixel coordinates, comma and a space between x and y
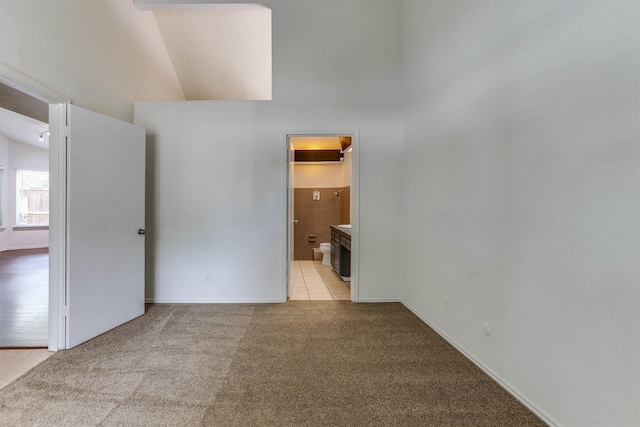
313, 281
15, 363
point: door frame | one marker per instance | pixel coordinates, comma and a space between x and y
355, 206
57, 187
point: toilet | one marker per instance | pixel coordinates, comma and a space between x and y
325, 248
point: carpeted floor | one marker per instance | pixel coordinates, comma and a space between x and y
330, 363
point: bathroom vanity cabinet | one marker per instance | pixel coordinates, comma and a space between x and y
341, 250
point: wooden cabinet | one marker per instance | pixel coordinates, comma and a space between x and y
341, 251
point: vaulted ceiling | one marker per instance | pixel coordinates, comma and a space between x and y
23, 129
219, 52
23, 118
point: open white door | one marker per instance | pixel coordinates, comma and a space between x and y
105, 211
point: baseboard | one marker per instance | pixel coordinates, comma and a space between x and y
379, 300
23, 248
179, 301
497, 378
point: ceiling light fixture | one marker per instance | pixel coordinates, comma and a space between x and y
41, 136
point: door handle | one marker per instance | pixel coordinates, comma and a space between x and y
141, 231
295, 221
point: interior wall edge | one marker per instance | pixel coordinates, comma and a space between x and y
25, 84
497, 378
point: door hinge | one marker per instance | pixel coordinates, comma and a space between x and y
65, 131
66, 311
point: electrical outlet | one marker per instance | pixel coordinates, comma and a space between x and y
445, 303
207, 278
486, 328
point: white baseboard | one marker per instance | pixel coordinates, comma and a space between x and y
179, 301
501, 381
22, 248
379, 300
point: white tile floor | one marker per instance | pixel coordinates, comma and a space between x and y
313, 281
15, 363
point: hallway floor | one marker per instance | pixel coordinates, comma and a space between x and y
24, 298
313, 281
15, 363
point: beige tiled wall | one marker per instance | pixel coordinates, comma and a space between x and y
345, 206
316, 216
314, 219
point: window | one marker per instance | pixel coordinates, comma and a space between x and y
32, 197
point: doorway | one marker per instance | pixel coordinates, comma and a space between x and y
96, 174
24, 219
322, 216
57, 173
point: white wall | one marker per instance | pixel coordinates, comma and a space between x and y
325, 174
317, 176
13, 155
102, 54
4, 191
522, 194
334, 72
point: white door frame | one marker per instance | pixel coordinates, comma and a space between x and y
355, 205
57, 187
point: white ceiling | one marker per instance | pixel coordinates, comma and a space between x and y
23, 129
219, 52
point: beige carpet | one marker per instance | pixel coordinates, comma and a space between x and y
330, 363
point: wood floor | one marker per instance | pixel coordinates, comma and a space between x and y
24, 298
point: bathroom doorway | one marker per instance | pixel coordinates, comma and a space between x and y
321, 206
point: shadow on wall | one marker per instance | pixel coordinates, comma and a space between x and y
316, 216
